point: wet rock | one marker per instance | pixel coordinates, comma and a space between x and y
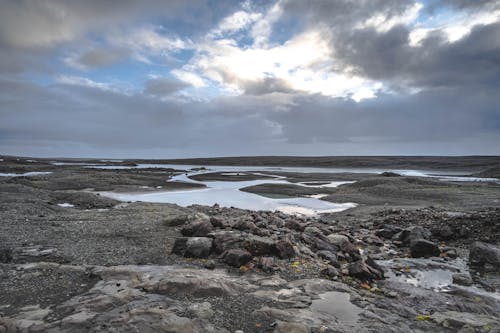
284, 249
198, 228
458, 320
365, 270
462, 279
5, 255
237, 257
259, 246
295, 225
485, 254
284, 327
423, 248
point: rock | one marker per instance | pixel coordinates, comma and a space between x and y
456, 320
295, 225
444, 232
318, 242
176, 220
5, 255
284, 249
462, 279
412, 233
330, 272
338, 240
219, 222
330, 257
484, 254
390, 174
284, 327
312, 230
198, 228
198, 247
179, 247
237, 257
344, 244
388, 231
365, 270
245, 225
266, 264
259, 246
225, 240
423, 248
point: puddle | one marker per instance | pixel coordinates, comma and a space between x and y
431, 274
337, 304
65, 204
26, 174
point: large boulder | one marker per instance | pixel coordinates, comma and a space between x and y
196, 247
485, 254
423, 248
259, 246
295, 225
237, 257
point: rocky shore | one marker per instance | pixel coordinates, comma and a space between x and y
97, 265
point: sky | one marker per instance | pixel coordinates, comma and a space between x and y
200, 78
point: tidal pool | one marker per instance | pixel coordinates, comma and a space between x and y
337, 304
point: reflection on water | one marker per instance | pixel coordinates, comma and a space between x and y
228, 194
337, 304
26, 174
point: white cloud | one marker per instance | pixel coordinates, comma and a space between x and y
189, 77
383, 22
235, 22
455, 26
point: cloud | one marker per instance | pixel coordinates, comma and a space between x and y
161, 87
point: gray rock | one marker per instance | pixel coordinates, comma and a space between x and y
412, 233
198, 228
198, 247
266, 264
284, 327
259, 246
245, 225
295, 225
284, 249
484, 254
388, 231
5, 255
462, 279
330, 257
365, 270
237, 257
423, 248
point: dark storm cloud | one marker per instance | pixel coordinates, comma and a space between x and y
475, 59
